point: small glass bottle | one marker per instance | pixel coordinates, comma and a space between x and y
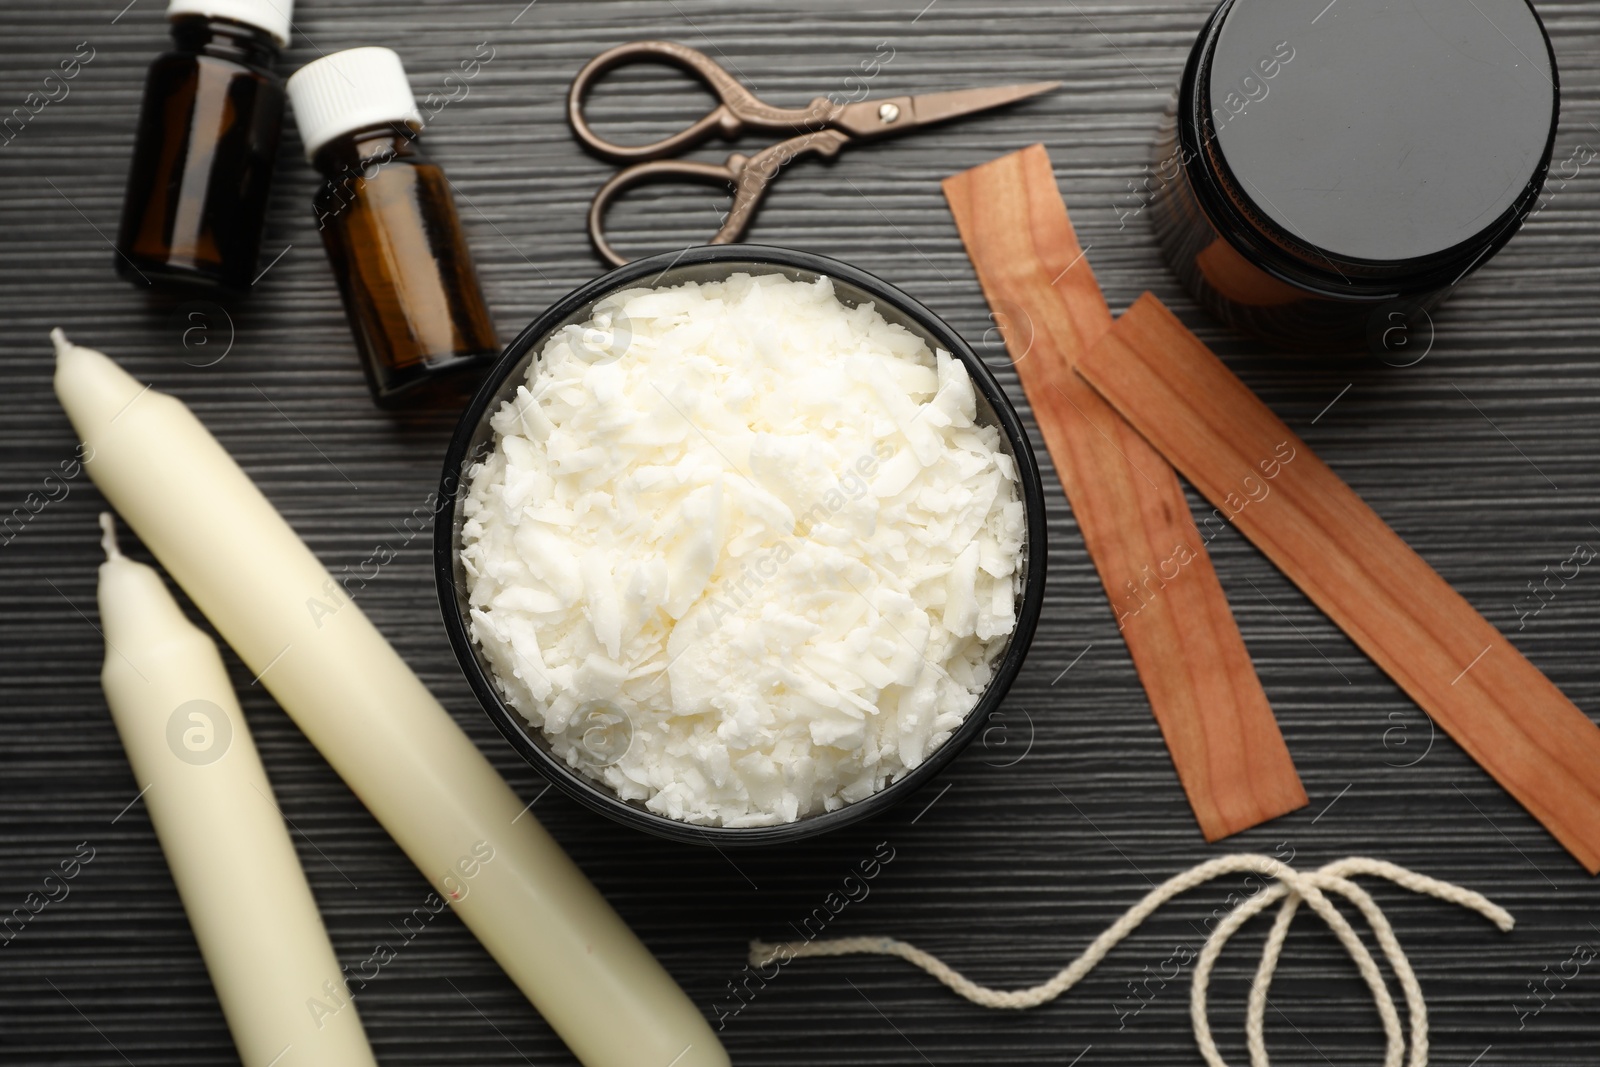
389, 226
207, 141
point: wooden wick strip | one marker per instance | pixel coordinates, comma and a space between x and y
1225, 743
1508, 716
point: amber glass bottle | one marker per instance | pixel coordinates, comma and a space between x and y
207, 140
390, 228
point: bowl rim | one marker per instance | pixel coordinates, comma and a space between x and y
595, 795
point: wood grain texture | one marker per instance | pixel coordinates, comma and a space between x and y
1065, 808
1265, 480
1152, 559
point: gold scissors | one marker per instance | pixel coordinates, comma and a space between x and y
823, 127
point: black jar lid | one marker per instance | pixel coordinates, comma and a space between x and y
1370, 145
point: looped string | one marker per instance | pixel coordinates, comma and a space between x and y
1291, 887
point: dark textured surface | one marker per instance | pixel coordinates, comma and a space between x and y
1484, 456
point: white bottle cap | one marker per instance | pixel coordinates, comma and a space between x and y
269, 15
348, 91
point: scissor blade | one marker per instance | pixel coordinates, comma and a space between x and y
871, 119
937, 107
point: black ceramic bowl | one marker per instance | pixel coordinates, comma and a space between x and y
474, 438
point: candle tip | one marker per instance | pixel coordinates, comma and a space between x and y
109, 540
63, 346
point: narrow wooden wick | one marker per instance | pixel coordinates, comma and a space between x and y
1152, 558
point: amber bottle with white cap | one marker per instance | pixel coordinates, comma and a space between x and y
390, 227
207, 141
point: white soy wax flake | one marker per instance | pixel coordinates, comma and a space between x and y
742, 552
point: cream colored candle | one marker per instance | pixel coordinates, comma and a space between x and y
373, 720
230, 854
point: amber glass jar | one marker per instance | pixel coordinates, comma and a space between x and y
390, 228
1322, 182
207, 140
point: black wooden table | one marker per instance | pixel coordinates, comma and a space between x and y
1484, 455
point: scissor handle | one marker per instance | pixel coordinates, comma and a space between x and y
738, 111
659, 170
749, 178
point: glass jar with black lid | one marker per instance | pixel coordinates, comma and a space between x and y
1326, 178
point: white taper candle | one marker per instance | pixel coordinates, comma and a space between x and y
230, 854
379, 727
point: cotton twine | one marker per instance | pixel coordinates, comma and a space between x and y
1290, 886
